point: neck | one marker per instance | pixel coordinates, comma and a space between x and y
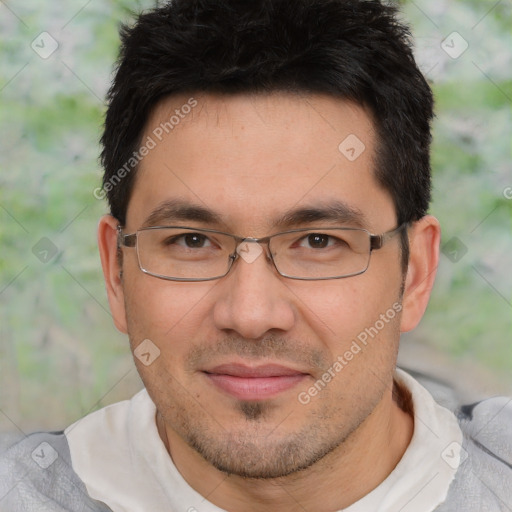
338, 480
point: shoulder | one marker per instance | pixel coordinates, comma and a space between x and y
483, 480
36, 475
489, 423
487, 429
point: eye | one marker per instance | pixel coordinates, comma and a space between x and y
190, 240
317, 241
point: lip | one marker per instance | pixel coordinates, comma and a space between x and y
254, 383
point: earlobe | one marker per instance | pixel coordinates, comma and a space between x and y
112, 272
424, 238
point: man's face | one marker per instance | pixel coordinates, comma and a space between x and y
238, 355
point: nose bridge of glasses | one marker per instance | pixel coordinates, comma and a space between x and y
249, 248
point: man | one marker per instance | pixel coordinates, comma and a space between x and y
267, 169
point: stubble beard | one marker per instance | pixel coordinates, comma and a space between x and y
250, 457
255, 447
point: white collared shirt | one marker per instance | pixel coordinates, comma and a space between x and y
117, 452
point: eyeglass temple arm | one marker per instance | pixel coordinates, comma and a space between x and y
125, 240
377, 241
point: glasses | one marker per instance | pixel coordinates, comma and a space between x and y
179, 253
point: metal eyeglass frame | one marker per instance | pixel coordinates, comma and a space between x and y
376, 242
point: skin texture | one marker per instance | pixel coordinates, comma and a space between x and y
250, 158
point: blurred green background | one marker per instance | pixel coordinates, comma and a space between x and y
60, 355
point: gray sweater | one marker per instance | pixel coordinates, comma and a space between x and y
36, 474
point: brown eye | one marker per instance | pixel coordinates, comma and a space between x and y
189, 240
194, 240
318, 240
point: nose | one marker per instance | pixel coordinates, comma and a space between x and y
253, 299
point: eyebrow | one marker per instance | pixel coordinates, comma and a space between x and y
331, 211
179, 210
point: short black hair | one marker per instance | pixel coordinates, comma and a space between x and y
356, 50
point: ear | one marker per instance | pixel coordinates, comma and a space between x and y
107, 243
424, 237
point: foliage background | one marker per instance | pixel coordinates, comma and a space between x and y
61, 357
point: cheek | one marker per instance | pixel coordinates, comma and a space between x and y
359, 327
159, 310
339, 310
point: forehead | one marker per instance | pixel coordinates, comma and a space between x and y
250, 158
